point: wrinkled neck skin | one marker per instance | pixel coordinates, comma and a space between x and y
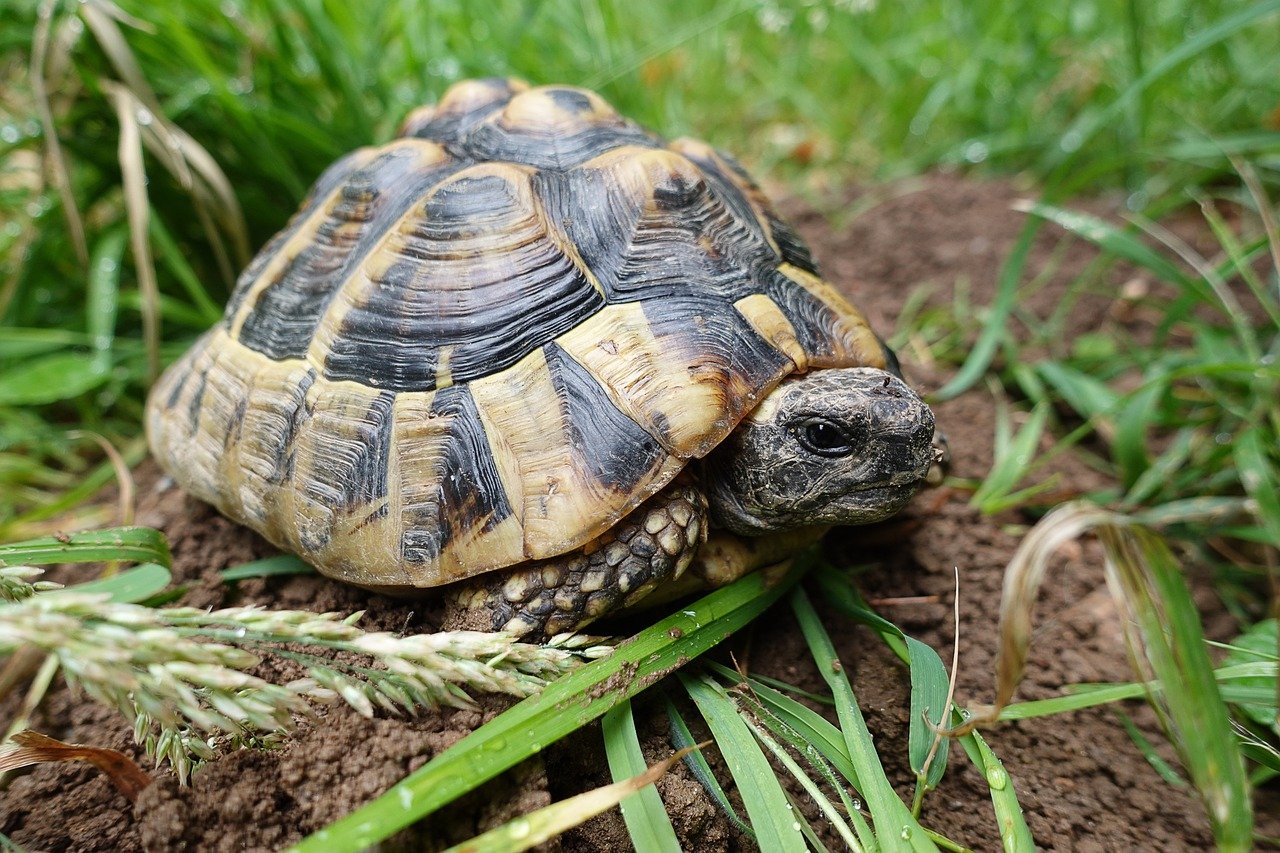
832, 447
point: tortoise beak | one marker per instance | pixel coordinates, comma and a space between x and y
941, 466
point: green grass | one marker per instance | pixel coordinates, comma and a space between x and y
155, 146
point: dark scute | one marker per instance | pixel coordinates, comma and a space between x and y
492, 141
569, 100
891, 362
363, 475
298, 413
449, 127
197, 400
729, 194
284, 319
611, 446
718, 342
324, 185
469, 280
813, 321
235, 424
790, 246
793, 249
466, 207
471, 491
691, 242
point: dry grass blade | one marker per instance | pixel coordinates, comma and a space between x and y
138, 208
939, 733
1265, 211
189, 163
35, 748
546, 823
228, 206
1022, 582
112, 41
57, 160
126, 502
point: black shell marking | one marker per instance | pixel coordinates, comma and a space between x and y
476, 280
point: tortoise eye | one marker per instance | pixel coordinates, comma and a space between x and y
823, 438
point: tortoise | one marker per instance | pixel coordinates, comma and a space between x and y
532, 346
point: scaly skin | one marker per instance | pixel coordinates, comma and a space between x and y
652, 546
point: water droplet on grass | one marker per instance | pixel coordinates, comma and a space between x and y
976, 151
997, 778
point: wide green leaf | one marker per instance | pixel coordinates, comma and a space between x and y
50, 378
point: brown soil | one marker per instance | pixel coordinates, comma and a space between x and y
1082, 783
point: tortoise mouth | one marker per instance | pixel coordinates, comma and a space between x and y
874, 502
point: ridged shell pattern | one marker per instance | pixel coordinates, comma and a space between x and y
488, 340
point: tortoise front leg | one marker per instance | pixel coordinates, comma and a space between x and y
725, 557
650, 547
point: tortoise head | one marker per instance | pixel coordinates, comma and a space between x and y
845, 446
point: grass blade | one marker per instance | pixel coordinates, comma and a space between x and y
1108, 237
50, 378
564, 706
823, 802
280, 564
1163, 769
1261, 482
645, 815
132, 585
546, 823
1251, 672
1013, 455
994, 329
765, 801
61, 169
138, 210
1014, 832
682, 738
102, 301
1163, 629
929, 682
896, 827
811, 726
131, 544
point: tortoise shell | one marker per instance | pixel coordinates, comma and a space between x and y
488, 340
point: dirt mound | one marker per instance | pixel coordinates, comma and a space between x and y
1083, 784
